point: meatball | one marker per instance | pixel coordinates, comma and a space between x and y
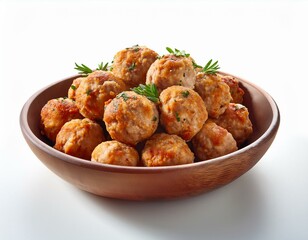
236, 120
235, 90
79, 137
130, 118
165, 150
182, 111
214, 92
132, 64
213, 141
172, 70
95, 90
115, 153
55, 113
72, 90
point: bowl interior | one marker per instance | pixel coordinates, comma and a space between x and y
261, 106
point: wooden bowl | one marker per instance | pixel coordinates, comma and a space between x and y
140, 183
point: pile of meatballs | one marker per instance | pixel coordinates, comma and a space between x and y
198, 115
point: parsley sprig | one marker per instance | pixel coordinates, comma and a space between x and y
149, 91
177, 52
85, 70
211, 68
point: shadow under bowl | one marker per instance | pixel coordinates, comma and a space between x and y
141, 183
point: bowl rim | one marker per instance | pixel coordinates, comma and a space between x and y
28, 134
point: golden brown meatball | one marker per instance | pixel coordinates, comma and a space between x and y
172, 70
79, 137
214, 92
115, 153
130, 118
132, 64
213, 141
236, 120
55, 113
165, 150
95, 90
183, 111
235, 90
72, 90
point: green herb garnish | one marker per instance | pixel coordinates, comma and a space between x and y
132, 67
88, 92
136, 48
85, 70
123, 95
177, 117
102, 67
185, 94
73, 87
149, 91
154, 119
196, 65
177, 52
210, 68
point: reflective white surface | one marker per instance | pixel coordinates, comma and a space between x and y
264, 42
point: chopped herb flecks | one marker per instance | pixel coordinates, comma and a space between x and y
136, 48
177, 117
73, 87
132, 67
88, 92
123, 95
185, 94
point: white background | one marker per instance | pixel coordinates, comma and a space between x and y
264, 42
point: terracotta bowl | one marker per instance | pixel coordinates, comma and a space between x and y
140, 183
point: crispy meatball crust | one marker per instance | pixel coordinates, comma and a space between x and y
236, 91
55, 113
72, 90
165, 150
214, 92
213, 141
131, 118
182, 111
236, 120
132, 64
172, 70
115, 153
79, 137
95, 90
